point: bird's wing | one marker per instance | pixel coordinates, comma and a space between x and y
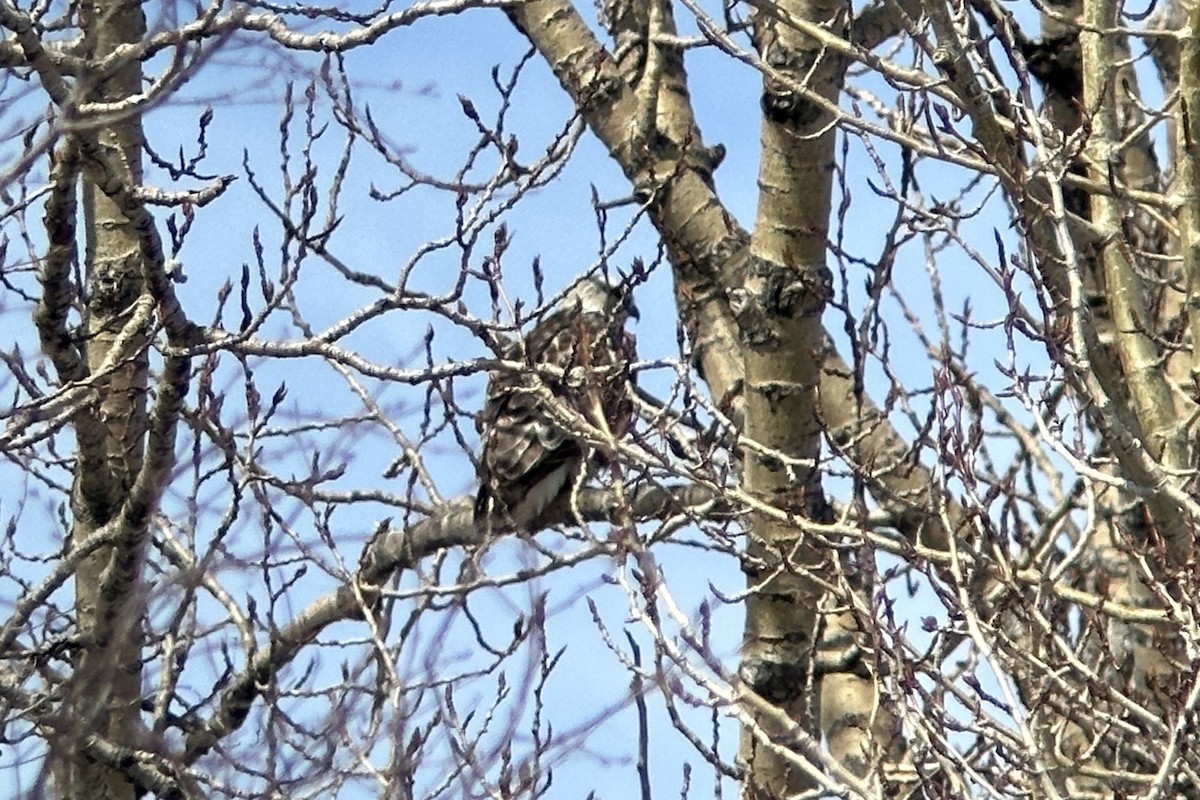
529, 461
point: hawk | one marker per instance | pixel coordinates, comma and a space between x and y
530, 463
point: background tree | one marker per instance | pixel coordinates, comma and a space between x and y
930, 387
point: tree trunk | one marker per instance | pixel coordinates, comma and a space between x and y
779, 314
105, 688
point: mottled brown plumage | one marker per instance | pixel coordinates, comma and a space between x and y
530, 464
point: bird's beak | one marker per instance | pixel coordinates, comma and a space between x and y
631, 309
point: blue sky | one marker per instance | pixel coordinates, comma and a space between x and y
411, 81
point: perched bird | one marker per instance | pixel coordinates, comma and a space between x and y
531, 463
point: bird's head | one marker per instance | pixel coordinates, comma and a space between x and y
594, 296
